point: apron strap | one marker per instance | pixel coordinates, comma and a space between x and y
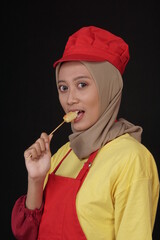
82, 174
62, 160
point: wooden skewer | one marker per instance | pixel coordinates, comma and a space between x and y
57, 128
67, 118
51, 133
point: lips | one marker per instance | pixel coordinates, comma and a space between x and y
79, 116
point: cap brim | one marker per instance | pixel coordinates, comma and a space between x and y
79, 57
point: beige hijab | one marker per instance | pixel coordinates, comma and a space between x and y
109, 83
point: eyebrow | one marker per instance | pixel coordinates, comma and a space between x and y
76, 78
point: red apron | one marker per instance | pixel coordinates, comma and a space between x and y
59, 220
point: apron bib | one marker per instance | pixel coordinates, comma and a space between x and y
59, 220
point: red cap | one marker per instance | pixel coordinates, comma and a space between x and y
94, 44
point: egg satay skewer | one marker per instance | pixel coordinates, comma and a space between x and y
69, 117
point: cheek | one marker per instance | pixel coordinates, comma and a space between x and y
97, 108
94, 106
62, 101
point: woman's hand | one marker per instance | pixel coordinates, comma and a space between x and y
37, 158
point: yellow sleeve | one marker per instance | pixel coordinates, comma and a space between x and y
135, 210
136, 200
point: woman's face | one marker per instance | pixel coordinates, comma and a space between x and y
78, 92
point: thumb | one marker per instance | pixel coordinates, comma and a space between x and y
50, 137
48, 143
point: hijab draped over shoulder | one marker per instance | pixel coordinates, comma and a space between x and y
109, 84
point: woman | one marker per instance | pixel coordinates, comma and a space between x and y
103, 183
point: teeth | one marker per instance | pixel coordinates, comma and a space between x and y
79, 112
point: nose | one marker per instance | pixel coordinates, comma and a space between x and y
72, 97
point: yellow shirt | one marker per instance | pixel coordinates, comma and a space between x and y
118, 199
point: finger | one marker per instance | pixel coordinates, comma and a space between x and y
31, 153
45, 137
47, 146
34, 154
38, 148
50, 137
41, 144
27, 154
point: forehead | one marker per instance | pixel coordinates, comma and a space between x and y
69, 69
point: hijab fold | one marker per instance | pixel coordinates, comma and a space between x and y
109, 84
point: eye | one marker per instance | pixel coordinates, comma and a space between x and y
82, 84
62, 88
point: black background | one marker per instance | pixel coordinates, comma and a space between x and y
34, 35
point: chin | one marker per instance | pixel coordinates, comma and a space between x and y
80, 127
